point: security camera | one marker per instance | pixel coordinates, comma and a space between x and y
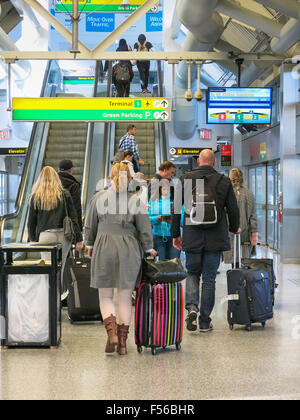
189, 95
199, 95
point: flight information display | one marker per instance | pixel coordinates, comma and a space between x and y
239, 106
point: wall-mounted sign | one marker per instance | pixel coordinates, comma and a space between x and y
91, 109
205, 134
263, 150
100, 22
13, 151
185, 151
78, 80
4, 134
226, 155
116, 6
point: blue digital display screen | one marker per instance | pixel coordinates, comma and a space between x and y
239, 106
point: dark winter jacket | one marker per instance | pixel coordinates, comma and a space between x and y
42, 220
73, 186
214, 239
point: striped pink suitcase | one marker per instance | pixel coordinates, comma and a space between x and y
159, 316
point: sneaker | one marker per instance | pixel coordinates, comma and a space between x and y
204, 327
144, 91
191, 320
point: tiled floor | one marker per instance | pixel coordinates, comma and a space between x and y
223, 364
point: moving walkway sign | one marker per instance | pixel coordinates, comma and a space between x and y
116, 6
92, 109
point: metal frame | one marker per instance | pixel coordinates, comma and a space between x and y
171, 57
54, 275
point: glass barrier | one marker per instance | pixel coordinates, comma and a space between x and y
12, 226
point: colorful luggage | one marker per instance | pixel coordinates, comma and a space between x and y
159, 316
249, 295
83, 301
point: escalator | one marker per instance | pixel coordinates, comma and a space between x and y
67, 141
150, 137
145, 139
49, 144
90, 146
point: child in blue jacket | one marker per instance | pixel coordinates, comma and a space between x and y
160, 218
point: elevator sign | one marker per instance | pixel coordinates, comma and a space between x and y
92, 109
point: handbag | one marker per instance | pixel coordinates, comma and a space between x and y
163, 271
68, 227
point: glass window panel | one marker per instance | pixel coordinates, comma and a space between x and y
271, 186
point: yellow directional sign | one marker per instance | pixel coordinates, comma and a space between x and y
101, 5
91, 109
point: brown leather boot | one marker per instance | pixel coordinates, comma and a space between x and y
123, 331
111, 329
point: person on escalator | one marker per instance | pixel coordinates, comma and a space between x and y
122, 72
70, 183
142, 45
128, 142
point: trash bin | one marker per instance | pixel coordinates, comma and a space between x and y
30, 289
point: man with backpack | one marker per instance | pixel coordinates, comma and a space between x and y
209, 204
143, 66
122, 77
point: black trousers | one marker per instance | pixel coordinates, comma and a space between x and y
144, 70
123, 89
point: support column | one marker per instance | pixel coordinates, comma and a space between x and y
289, 168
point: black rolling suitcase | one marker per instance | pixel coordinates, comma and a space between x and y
83, 301
250, 299
264, 264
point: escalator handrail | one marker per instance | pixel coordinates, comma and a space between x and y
25, 175
107, 129
163, 142
88, 148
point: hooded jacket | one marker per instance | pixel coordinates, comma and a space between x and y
73, 186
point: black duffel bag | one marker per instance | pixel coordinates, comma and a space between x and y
163, 271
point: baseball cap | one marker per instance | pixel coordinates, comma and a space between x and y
65, 165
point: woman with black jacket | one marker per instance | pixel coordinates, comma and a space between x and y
49, 204
122, 72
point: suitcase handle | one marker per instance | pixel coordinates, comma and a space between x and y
237, 246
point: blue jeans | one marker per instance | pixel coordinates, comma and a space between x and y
205, 264
164, 247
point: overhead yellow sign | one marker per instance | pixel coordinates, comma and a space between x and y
124, 6
91, 109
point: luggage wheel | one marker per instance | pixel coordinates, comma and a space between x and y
153, 349
139, 349
231, 326
248, 328
263, 324
178, 346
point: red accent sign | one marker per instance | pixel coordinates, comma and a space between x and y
226, 150
4, 134
226, 155
205, 134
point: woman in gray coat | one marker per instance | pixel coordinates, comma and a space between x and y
117, 233
248, 217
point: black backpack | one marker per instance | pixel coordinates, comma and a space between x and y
122, 73
204, 202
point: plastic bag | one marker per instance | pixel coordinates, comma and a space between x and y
28, 308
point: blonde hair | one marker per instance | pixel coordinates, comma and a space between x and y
120, 176
237, 178
47, 191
